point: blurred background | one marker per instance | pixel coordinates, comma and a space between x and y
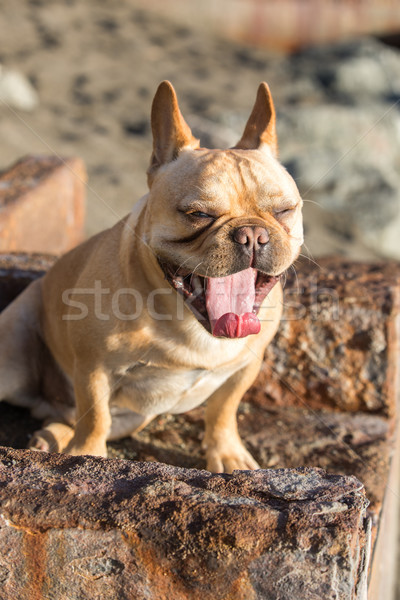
78, 77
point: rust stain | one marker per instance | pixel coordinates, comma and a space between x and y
241, 589
164, 579
162, 583
34, 550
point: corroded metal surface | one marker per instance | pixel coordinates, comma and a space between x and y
337, 346
72, 526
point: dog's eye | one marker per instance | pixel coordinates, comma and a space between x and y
284, 213
201, 215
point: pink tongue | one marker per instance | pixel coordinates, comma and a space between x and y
236, 326
229, 302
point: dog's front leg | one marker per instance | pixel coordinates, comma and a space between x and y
93, 419
224, 448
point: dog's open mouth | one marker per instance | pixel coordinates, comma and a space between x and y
225, 306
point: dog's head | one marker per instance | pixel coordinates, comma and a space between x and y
224, 224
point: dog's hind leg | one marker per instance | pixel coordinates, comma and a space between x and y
19, 347
53, 437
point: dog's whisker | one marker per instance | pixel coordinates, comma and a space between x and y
313, 202
297, 279
181, 265
309, 253
284, 277
311, 260
197, 266
194, 271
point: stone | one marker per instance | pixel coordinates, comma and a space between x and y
74, 527
42, 205
16, 91
361, 71
345, 159
337, 346
338, 127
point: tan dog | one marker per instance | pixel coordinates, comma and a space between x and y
171, 307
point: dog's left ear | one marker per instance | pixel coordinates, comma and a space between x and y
171, 133
260, 130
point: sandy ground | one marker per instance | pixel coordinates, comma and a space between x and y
96, 65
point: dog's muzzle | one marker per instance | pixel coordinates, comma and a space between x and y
225, 306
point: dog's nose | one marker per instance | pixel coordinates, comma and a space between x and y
251, 237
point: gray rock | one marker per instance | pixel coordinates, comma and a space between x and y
347, 159
360, 71
342, 140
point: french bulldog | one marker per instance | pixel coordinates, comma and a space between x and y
172, 307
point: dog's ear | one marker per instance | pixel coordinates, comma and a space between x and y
171, 133
260, 130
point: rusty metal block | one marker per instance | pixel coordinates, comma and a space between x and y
42, 202
338, 343
80, 527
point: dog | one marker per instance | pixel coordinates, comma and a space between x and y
171, 307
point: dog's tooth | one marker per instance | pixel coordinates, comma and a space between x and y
196, 283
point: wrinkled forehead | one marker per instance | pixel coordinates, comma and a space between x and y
219, 174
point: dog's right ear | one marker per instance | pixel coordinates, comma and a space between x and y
171, 133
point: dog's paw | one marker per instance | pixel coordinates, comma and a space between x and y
86, 449
228, 455
51, 438
43, 441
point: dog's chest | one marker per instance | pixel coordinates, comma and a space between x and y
152, 389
